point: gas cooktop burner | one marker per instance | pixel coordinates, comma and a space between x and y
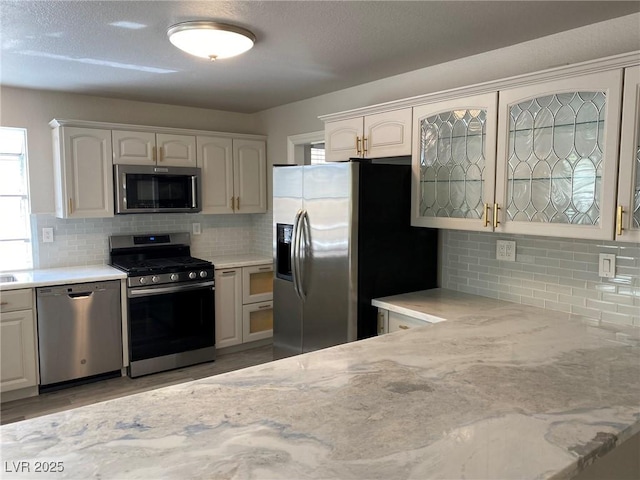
160, 265
158, 259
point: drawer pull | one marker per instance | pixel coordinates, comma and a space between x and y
229, 272
403, 327
265, 269
4, 303
265, 306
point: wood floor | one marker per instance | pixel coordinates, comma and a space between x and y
87, 394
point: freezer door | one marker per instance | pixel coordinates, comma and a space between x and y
329, 280
287, 307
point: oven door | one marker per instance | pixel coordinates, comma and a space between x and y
170, 326
148, 189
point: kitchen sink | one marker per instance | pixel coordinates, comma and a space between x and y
7, 278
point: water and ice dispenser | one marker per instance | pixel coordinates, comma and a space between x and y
284, 233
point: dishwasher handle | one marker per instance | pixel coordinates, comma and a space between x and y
80, 295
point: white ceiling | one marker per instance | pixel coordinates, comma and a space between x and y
303, 48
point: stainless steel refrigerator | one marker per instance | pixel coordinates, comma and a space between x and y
342, 237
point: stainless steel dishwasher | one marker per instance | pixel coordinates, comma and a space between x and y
79, 331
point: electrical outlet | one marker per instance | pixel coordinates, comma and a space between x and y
506, 250
196, 228
47, 235
607, 265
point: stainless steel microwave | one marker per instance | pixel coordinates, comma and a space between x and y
153, 189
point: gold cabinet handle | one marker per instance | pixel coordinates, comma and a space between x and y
403, 327
4, 303
619, 213
232, 203
160, 151
154, 153
70, 206
358, 151
485, 215
238, 203
265, 306
496, 222
265, 268
364, 145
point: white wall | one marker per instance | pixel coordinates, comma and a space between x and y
34, 110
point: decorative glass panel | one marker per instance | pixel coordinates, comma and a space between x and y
636, 190
555, 158
452, 161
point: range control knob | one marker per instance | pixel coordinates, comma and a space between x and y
173, 276
143, 280
203, 274
155, 279
192, 275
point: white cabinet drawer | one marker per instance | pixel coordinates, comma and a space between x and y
13, 300
257, 319
257, 283
397, 321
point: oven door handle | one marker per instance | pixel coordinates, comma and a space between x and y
139, 292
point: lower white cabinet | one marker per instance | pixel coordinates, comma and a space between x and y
243, 304
389, 322
18, 353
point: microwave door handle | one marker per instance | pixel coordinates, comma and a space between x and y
193, 191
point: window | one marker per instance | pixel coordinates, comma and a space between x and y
317, 153
15, 234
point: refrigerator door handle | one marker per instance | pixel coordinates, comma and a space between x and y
305, 234
294, 253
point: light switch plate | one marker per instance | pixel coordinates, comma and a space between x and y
196, 228
607, 265
47, 235
506, 250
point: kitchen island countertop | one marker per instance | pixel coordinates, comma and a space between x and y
506, 391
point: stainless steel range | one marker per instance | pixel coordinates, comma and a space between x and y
170, 301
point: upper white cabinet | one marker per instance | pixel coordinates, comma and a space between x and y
148, 148
453, 161
215, 158
550, 170
628, 210
83, 172
557, 157
250, 176
234, 175
386, 134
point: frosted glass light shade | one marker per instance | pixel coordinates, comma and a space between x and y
210, 39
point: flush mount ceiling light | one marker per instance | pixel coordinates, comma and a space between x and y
211, 40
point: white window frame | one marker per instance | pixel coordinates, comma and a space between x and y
28, 260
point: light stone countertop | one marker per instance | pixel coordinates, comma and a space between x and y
61, 276
436, 305
240, 260
507, 391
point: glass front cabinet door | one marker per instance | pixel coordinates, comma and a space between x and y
628, 209
557, 157
454, 163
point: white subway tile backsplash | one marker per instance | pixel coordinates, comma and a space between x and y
85, 241
560, 274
